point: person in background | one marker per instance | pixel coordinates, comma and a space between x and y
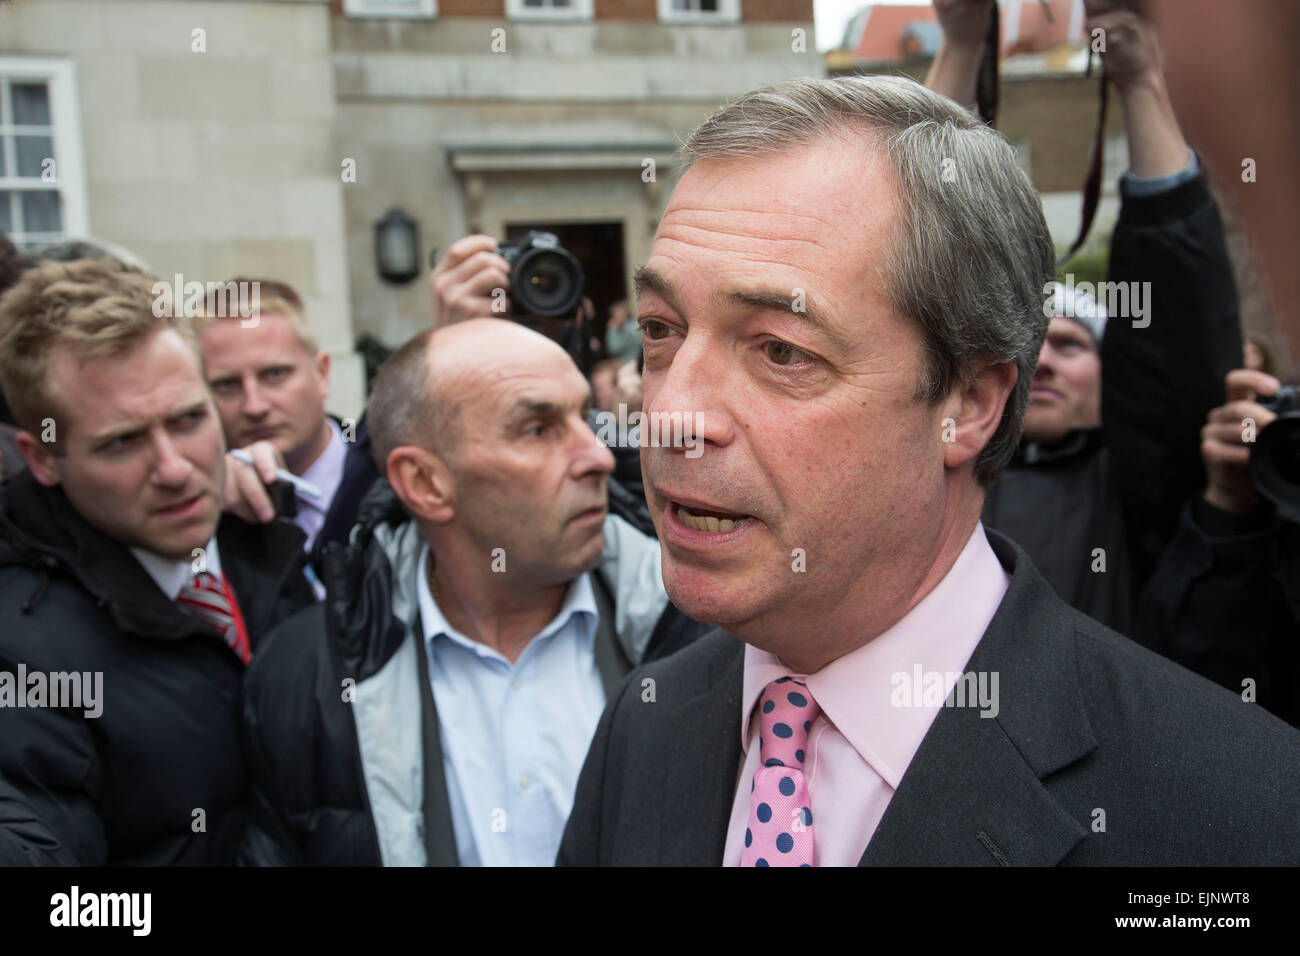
118, 566
270, 379
1112, 433
1225, 599
463, 284
487, 609
622, 337
604, 393
13, 263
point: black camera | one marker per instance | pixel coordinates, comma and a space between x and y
545, 278
1275, 459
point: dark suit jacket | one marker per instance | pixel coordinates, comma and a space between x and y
1185, 772
359, 474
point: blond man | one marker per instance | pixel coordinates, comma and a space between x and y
129, 606
270, 380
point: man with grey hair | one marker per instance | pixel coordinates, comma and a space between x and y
846, 285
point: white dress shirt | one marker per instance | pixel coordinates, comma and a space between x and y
171, 575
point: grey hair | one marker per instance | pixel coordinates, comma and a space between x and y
973, 253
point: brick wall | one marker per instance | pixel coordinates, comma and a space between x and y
779, 11
627, 10
472, 8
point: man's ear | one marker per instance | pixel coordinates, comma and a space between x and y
423, 483
322, 362
39, 458
973, 412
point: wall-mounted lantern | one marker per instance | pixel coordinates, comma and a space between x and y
397, 247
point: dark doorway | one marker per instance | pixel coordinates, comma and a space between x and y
599, 247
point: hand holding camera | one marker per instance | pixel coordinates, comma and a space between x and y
463, 281
477, 278
1230, 439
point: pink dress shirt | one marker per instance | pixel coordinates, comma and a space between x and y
326, 473
871, 721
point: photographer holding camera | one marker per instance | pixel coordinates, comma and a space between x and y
465, 284
1110, 440
1225, 600
535, 281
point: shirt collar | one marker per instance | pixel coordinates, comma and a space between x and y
861, 693
579, 603
326, 471
171, 575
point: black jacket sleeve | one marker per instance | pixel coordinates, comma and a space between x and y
359, 474
268, 839
52, 775
1225, 603
25, 840
1163, 372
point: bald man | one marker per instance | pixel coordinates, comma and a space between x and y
437, 707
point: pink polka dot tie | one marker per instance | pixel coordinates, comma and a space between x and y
780, 831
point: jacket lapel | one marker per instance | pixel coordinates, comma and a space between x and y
700, 751
259, 561
611, 663
973, 794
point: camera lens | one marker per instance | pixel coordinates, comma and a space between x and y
547, 282
1286, 457
1275, 464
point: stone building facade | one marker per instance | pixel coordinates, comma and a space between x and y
266, 137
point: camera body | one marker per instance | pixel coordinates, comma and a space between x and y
1275, 459
546, 280
1286, 400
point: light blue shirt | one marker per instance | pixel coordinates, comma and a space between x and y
1135, 186
514, 737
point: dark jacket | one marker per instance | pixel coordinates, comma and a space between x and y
1120, 488
1225, 602
1062, 502
158, 776
341, 698
1186, 773
11, 459
359, 473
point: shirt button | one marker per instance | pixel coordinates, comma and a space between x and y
525, 782
515, 683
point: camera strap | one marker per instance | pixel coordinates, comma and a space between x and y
1092, 186
986, 101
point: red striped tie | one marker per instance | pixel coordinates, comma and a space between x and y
209, 599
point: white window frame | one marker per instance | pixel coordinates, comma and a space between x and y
728, 12
65, 125
423, 10
577, 10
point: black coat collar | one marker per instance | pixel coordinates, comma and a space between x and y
40, 529
1073, 444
